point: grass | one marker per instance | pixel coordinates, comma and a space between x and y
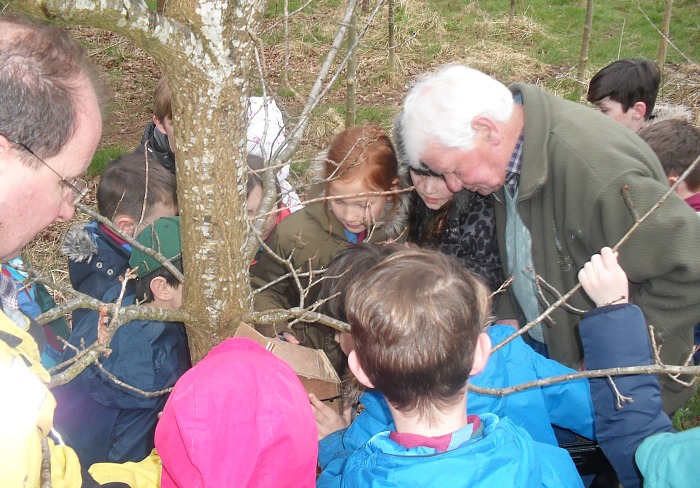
103, 156
688, 416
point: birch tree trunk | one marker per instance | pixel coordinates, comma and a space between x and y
392, 41
351, 75
207, 46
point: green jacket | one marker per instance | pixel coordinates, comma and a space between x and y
310, 237
575, 165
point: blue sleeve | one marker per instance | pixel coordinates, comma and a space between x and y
332, 456
335, 449
150, 356
568, 404
616, 336
667, 459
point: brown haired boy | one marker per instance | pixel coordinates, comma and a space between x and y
677, 143
417, 321
159, 132
103, 420
132, 194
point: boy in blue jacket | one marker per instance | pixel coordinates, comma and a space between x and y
104, 421
566, 405
418, 346
132, 193
615, 335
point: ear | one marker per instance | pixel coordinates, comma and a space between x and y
5, 145
159, 125
672, 179
356, 368
161, 289
487, 130
125, 224
394, 185
639, 110
482, 351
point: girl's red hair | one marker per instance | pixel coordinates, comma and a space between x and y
365, 152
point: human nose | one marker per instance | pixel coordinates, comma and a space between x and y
66, 211
430, 185
353, 214
453, 183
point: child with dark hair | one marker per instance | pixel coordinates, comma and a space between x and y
458, 224
105, 421
133, 192
626, 91
361, 160
566, 405
418, 322
158, 134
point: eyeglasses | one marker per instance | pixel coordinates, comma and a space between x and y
77, 186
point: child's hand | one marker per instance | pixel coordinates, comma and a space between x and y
327, 419
604, 280
289, 337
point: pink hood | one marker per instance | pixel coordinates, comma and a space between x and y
238, 418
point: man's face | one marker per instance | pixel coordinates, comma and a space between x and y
480, 169
33, 197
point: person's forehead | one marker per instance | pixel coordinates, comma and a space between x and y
437, 161
607, 102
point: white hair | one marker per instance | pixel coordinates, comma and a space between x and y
440, 107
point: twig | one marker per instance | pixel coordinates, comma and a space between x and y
598, 373
564, 298
117, 381
134, 243
541, 281
619, 397
663, 35
279, 315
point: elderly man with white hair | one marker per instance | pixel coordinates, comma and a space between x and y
567, 181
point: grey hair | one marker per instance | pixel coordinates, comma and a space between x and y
440, 107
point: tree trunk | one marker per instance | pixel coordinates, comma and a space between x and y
351, 75
665, 31
583, 56
392, 41
511, 15
210, 57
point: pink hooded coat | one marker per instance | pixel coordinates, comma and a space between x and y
239, 418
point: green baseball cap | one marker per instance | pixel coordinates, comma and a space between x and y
162, 236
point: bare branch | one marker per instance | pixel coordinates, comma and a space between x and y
564, 298
281, 315
133, 242
619, 397
663, 35
598, 373
117, 381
